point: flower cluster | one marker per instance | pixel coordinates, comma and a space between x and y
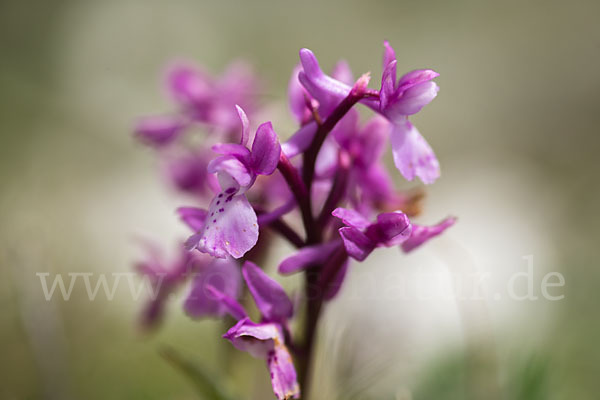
330, 174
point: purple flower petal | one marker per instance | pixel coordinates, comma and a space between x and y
229, 304
232, 149
387, 93
421, 234
268, 217
411, 100
245, 125
222, 275
231, 227
188, 172
193, 217
357, 244
283, 374
266, 150
266, 341
270, 298
159, 130
307, 257
389, 55
256, 339
390, 229
412, 154
233, 167
351, 218
296, 97
188, 85
329, 92
300, 140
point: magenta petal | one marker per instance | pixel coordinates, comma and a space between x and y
232, 149
270, 298
412, 154
416, 77
224, 276
373, 140
357, 244
283, 374
256, 339
328, 91
390, 229
389, 55
266, 150
193, 217
388, 85
268, 217
421, 234
300, 140
351, 218
231, 227
412, 100
187, 85
232, 166
229, 304
159, 130
245, 125
307, 257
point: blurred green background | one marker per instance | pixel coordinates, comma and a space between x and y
515, 127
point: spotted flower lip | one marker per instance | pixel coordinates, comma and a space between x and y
231, 225
361, 237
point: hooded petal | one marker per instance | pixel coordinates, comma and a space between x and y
328, 91
388, 85
232, 149
231, 227
307, 257
390, 229
265, 150
421, 234
357, 244
412, 154
270, 298
233, 167
256, 339
283, 374
351, 218
193, 217
223, 276
411, 100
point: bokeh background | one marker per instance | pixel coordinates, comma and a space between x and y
515, 127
